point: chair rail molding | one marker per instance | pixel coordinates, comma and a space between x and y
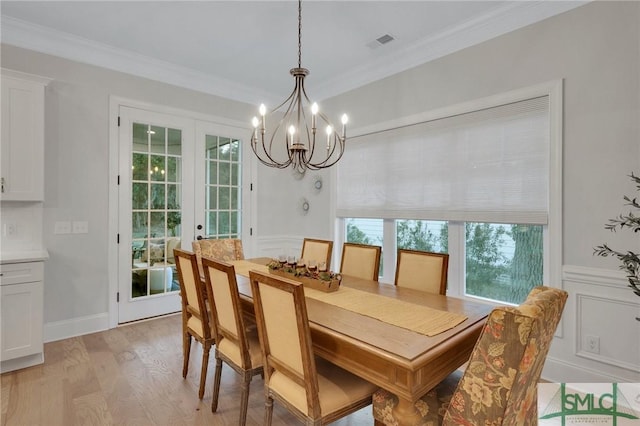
594, 276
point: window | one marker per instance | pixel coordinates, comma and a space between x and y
365, 231
424, 235
479, 181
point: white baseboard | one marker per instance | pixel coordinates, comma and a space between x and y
22, 362
73, 327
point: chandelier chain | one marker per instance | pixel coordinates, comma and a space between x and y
299, 33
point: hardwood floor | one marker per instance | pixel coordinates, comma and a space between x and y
131, 375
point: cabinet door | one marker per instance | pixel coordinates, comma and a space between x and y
21, 307
22, 140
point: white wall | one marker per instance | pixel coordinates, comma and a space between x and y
77, 184
595, 49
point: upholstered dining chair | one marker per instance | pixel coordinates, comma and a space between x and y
422, 270
195, 317
313, 390
235, 346
499, 385
360, 260
317, 250
225, 249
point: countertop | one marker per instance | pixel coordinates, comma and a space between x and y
24, 256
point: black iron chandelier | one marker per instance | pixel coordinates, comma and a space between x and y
293, 141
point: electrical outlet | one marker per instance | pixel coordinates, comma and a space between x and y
592, 344
10, 229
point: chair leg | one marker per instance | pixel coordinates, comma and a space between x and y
244, 403
203, 373
186, 350
268, 411
216, 385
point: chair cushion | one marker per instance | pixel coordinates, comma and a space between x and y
431, 406
153, 253
337, 388
232, 351
195, 324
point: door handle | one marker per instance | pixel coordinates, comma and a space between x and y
199, 237
199, 227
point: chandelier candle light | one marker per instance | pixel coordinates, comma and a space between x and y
297, 136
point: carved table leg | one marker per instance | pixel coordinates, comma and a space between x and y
405, 413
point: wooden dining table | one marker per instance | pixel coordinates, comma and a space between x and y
398, 360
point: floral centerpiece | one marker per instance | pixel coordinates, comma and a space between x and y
309, 276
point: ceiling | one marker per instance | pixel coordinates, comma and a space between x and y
243, 50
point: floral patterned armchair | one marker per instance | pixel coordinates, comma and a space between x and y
222, 250
499, 385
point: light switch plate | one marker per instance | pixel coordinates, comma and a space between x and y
80, 227
63, 227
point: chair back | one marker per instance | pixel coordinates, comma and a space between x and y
501, 379
226, 311
194, 311
225, 250
422, 270
318, 250
283, 327
361, 261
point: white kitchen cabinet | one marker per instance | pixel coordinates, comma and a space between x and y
21, 315
22, 143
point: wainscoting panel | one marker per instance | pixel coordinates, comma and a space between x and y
601, 340
597, 317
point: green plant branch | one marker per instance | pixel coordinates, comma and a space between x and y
629, 261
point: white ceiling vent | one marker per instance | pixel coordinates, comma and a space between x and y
380, 41
385, 39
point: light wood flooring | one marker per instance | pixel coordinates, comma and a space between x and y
131, 375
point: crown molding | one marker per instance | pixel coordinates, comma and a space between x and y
41, 39
511, 16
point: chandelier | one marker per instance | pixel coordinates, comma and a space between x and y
293, 140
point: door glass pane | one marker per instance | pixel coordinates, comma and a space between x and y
223, 187
156, 214
503, 262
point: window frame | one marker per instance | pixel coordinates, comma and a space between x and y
552, 231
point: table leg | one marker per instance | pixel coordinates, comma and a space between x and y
406, 413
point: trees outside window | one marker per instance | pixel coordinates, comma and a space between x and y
501, 261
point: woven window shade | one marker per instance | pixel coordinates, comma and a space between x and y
490, 165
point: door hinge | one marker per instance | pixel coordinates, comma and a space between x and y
118, 121
118, 297
118, 179
118, 238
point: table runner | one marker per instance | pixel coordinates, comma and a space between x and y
407, 315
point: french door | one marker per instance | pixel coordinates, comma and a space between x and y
179, 178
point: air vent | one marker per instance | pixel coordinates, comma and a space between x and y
385, 39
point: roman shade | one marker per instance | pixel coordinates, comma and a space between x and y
486, 165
